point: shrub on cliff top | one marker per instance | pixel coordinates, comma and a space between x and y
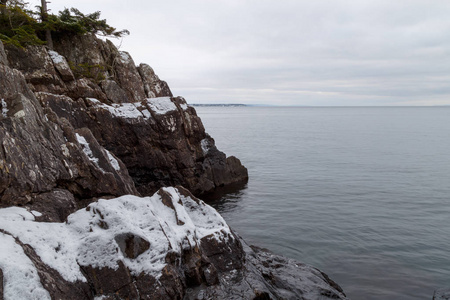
21, 27
18, 25
72, 21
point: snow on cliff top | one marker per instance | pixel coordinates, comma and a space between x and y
88, 237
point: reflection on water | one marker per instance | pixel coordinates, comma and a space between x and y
228, 200
229, 192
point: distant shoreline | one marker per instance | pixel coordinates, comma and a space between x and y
314, 106
221, 105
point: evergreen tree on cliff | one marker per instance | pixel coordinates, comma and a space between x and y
21, 27
44, 18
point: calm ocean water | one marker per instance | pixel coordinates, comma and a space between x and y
361, 193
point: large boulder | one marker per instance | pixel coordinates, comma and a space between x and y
168, 246
88, 55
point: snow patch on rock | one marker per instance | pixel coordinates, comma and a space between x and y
171, 123
205, 144
36, 213
87, 150
56, 57
161, 105
125, 56
123, 110
4, 108
93, 100
114, 163
184, 106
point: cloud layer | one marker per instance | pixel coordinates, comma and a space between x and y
341, 52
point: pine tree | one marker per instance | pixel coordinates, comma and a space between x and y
21, 27
44, 18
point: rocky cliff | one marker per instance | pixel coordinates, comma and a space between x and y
82, 124
58, 106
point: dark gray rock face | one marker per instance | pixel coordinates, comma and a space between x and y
161, 141
265, 275
131, 245
128, 77
41, 155
35, 64
153, 86
113, 91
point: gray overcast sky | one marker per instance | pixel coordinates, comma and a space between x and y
315, 52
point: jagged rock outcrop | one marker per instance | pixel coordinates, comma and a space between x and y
168, 246
153, 86
161, 141
129, 111
41, 157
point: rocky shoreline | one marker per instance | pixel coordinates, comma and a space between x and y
91, 149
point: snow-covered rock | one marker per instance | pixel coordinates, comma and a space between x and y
162, 105
168, 221
168, 246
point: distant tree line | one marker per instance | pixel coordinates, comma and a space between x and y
20, 26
